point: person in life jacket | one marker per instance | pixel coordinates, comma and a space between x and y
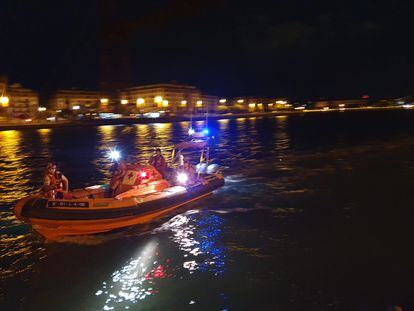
188, 169
118, 173
158, 161
54, 182
179, 159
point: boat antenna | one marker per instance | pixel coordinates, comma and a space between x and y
191, 130
191, 118
207, 115
208, 148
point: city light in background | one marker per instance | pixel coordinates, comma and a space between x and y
158, 99
4, 100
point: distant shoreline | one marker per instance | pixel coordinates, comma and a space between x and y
131, 120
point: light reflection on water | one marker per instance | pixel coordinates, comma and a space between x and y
197, 236
132, 282
287, 183
108, 141
23, 157
15, 173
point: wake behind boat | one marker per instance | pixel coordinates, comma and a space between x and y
143, 195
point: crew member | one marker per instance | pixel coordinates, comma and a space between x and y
54, 182
158, 161
179, 159
118, 173
189, 170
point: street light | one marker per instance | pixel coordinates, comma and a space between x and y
165, 103
140, 101
124, 101
104, 101
158, 99
222, 101
41, 109
4, 100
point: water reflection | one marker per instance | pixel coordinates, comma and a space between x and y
132, 282
282, 144
107, 134
15, 175
9, 143
200, 240
266, 159
44, 135
197, 235
185, 126
162, 130
18, 253
102, 162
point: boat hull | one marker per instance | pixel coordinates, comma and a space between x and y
52, 221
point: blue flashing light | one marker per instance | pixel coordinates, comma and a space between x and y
206, 131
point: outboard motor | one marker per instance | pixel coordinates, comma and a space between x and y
212, 168
202, 168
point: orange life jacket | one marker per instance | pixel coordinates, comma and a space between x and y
55, 180
56, 184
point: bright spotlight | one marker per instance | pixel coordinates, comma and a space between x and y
191, 131
114, 155
182, 178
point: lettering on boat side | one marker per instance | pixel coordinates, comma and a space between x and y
67, 204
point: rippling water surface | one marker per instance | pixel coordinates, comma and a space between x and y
316, 214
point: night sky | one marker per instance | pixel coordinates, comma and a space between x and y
298, 49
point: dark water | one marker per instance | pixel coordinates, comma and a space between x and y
316, 214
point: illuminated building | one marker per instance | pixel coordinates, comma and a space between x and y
19, 101
4, 99
3, 86
257, 104
173, 97
85, 99
336, 103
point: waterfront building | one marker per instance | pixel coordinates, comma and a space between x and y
406, 100
20, 102
171, 97
339, 103
258, 104
4, 99
3, 85
77, 99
